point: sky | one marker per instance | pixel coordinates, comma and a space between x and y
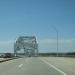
40, 18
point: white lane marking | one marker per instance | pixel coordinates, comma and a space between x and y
53, 67
20, 65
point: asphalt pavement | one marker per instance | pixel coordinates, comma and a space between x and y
32, 66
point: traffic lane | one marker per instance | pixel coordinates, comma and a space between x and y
29, 66
50, 65
9, 65
65, 64
35, 66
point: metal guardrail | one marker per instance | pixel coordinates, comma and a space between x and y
7, 59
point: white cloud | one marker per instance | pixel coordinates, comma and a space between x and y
51, 45
6, 46
45, 45
55, 41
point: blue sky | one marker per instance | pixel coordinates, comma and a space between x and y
38, 17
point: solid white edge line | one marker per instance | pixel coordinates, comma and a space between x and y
53, 66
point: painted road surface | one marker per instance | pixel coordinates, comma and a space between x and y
35, 66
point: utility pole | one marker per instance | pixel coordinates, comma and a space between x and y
57, 37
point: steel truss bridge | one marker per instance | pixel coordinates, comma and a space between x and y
26, 45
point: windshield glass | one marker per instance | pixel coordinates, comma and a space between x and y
37, 37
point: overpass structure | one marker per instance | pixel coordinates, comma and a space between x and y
26, 45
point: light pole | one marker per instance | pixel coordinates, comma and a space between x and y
57, 37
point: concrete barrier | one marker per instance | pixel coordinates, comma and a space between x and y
7, 59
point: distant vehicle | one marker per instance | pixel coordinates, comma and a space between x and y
8, 55
2, 55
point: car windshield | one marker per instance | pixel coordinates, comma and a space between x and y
37, 37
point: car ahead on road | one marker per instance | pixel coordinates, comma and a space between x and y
2, 55
8, 55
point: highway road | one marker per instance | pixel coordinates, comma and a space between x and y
38, 66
